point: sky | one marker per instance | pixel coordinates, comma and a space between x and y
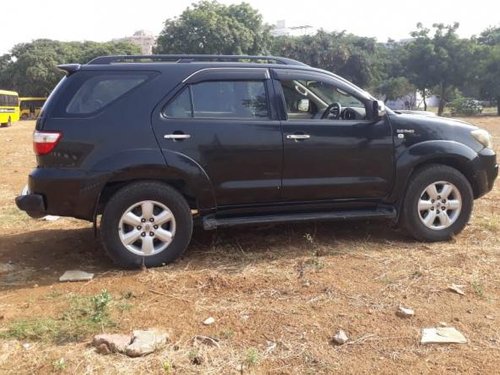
103, 20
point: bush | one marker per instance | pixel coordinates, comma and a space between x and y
465, 106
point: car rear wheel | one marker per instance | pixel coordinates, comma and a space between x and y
146, 223
438, 203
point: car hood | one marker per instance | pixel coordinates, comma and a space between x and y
421, 128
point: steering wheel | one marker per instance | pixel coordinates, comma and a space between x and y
334, 109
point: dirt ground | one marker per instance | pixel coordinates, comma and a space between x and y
278, 294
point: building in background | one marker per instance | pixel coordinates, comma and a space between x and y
280, 29
145, 40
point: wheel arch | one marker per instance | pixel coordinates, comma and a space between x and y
453, 154
195, 188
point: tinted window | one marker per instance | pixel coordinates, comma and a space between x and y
221, 99
101, 90
180, 107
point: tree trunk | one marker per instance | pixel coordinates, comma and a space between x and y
423, 99
498, 105
442, 101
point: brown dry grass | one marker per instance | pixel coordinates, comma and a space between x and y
278, 293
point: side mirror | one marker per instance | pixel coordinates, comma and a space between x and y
378, 109
304, 105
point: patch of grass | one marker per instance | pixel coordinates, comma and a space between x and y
59, 365
478, 288
85, 316
252, 357
167, 367
226, 334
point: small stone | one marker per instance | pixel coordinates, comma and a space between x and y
6, 267
442, 335
207, 340
146, 342
51, 218
27, 346
209, 321
443, 324
111, 343
457, 289
340, 338
405, 312
76, 275
490, 317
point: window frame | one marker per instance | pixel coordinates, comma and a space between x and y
77, 80
188, 86
290, 75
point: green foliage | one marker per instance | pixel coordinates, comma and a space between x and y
31, 68
86, 315
442, 62
100, 302
465, 107
252, 357
352, 57
393, 88
213, 28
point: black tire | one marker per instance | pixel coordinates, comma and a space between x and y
412, 218
131, 195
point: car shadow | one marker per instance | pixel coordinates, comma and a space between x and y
40, 257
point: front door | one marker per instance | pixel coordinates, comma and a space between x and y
332, 149
221, 119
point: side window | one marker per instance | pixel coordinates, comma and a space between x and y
101, 90
312, 99
221, 99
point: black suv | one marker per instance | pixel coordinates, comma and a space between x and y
155, 143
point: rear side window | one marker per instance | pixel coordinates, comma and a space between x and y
101, 90
221, 99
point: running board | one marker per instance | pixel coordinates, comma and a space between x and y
212, 222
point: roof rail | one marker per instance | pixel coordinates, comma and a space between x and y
117, 59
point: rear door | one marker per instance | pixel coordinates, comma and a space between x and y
221, 119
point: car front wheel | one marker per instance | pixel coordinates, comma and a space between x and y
146, 223
438, 203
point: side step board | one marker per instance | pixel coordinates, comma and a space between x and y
213, 222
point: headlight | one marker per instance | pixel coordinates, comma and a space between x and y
483, 137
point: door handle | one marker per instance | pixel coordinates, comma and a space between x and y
176, 137
298, 136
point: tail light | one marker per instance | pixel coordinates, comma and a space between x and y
44, 142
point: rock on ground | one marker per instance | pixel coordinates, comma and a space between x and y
111, 343
136, 345
405, 312
340, 338
442, 335
146, 342
76, 275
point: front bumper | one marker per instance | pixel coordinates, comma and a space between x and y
486, 171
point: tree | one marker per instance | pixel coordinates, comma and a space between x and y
395, 87
348, 55
213, 28
31, 68
442, 62
489, 66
